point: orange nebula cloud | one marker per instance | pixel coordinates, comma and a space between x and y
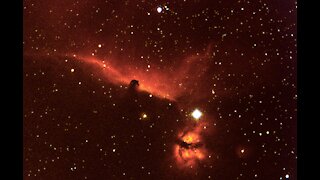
188, 158
191, 137
190, 148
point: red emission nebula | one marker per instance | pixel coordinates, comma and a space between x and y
192, 89
167, 83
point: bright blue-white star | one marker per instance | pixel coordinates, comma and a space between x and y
196, 114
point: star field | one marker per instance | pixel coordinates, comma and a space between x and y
184, 89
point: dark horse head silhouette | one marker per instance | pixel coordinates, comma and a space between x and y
134, 84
